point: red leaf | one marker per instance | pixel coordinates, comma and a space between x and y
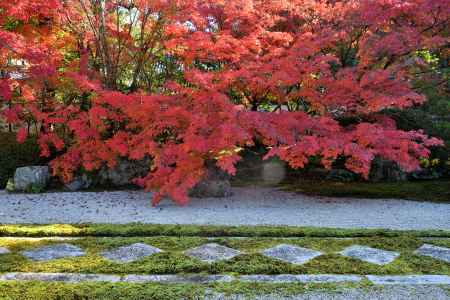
22, 135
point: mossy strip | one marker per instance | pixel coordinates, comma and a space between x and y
152, 291
429, 190
147, 230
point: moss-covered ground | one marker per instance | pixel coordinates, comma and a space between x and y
430, 190
174, 240
152, 291
148, 230
173, 261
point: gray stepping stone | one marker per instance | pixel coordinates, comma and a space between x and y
202, 279
61, 277
291, 254
436, 252
4, 250
53, 252
409, 279
127, 254
371, 255
287, 278
212, 252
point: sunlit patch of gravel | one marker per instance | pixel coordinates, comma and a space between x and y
248, 206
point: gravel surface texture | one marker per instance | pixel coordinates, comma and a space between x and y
248, 206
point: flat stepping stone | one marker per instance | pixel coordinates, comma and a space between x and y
4, 250
53, 252
304, 278
291, 254
127, 254
212, 252
436, 252
370, 255
409, 279
59, 277
202, 279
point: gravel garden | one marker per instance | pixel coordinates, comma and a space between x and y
224, 150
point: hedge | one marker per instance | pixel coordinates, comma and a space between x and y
14, 155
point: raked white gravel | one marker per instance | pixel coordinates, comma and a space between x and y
248, 206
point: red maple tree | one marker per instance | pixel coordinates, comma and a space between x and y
187, 82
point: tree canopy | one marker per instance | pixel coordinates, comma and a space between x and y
187, 82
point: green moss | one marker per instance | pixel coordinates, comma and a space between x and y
128, 291
437, 190
173, 261
106, 291
146, 230
439, 242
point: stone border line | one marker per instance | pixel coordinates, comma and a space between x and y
204, 279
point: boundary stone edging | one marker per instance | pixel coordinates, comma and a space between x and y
202, 279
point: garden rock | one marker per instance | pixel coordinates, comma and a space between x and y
212, 188
252, 167
212, 252
291, 254
197, 278
216, 184
249, 167
127, 254
4, 250
273, 171
341, 175
316, 173
79, 183
124, 172
435, 252
409, 279
60, 277
53, 252
386, 170
27, 177
370, 255
304, 278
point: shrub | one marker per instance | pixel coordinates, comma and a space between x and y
14, 155
417, 118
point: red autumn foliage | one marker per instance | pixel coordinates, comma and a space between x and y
186, 82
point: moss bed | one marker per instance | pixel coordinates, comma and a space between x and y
430, 190
174, 240
148, 230
173, 261
152, 291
